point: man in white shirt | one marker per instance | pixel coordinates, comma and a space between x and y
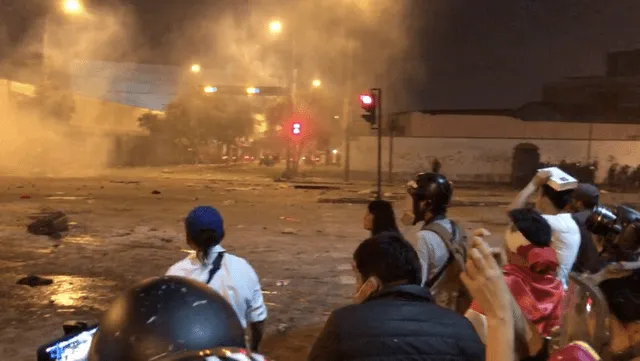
554, 207
229, 275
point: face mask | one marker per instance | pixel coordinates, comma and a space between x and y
370, 286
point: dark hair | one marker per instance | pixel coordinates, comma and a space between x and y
559, 199
205, 240
388, 257
532, 225
384, 219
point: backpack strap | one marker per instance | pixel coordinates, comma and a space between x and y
217, 263
447, 238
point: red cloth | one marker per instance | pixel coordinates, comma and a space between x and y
535, 287
576, 351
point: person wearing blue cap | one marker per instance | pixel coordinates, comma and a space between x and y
231, 276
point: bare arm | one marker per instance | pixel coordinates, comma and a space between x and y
521, 199
500, 339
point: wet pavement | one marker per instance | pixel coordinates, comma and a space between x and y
122, 232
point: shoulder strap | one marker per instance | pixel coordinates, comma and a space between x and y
217, 263
447, 237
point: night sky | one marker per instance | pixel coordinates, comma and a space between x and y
471, 53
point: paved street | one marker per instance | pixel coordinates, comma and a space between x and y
122, 233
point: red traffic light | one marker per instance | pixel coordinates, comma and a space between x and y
366, 100
296, 128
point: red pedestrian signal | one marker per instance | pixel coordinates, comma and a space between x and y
296, 129
369, 106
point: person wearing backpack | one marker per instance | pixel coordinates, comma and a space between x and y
441, 243
229, 275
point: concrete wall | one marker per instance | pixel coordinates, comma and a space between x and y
481, 148
465, 126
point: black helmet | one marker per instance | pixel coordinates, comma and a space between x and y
162, 316
433, 189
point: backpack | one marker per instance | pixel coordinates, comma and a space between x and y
446, 286
588, 259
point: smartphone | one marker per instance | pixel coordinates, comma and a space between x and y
73, 347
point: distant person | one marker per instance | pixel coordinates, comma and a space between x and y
555, 208
380, 218
584, 199
394, 317
436, 166
441, 242
225, 273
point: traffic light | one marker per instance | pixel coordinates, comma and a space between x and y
296, 129
368, 103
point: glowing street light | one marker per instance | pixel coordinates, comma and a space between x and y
335, 151
72, 7
275, 27
251, 91
316, 83
210, 89
195, 68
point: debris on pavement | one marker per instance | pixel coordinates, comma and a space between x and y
51, 224
156, 192
25, 196
125, 182
282, 283
290, 219
34, 281
229, 202
289, 231
316, 187
283, 327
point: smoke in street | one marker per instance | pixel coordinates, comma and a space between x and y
33, 142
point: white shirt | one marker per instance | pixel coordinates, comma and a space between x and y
565, 240
432, 251
236, 281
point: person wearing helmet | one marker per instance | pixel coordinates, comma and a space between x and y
170, 319
231, 276
441, 243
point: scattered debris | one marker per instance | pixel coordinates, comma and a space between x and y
25, 196
283, 327
342, 200
316, 187
156, 192
347, 280
282, 283
289, 231
34, 281
243, 189
50, 224
125, 182
166, 239
290, 219
229, 202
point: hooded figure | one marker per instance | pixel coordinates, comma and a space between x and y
530, 272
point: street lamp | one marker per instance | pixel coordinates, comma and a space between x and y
72, 7
275, 27
316, 83
195, 68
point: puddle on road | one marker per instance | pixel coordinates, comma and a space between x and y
63, 198
71, 291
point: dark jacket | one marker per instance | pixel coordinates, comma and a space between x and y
397, 323
588, 258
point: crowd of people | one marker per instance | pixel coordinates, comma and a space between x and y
446, 297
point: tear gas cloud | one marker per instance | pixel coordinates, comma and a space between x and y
33, 144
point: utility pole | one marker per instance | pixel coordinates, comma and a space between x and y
346, 111
377, 93
393, 121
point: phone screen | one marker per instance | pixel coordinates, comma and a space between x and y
74, 348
